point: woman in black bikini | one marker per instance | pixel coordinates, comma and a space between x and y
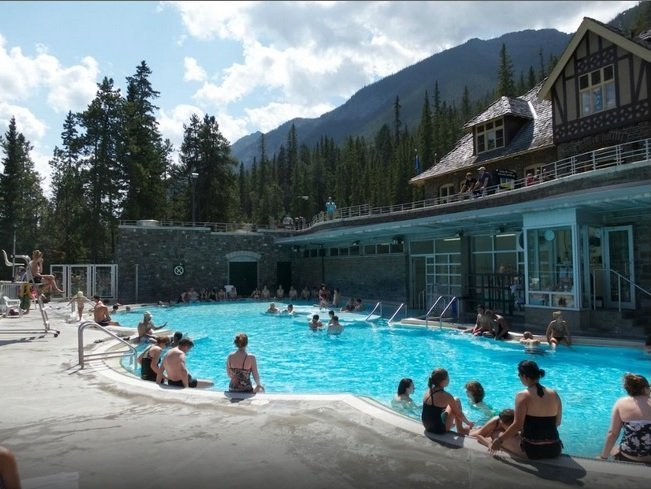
440, 409
538, 413
240, 366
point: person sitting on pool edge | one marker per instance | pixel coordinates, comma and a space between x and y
494, 427
149, 359
240, 366
558, 331
175, 370
147, 327
440, 409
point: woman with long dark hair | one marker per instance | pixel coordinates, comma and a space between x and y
538, 413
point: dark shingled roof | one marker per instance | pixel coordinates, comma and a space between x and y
535, 133
516, 107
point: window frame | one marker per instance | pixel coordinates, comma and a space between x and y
589, 83
485, 130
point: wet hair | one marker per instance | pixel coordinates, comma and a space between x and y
438, 376
476, 391
315, 317
177, 336
507, 416
331, 312
403, 385
186, 342
527, 335
530, 369
635, 384
241, 340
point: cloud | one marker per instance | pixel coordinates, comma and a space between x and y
297, 56
193, 72
26, 122
66, 88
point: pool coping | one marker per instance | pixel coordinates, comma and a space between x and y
127, 383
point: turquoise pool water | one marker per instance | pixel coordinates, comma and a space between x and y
369, 359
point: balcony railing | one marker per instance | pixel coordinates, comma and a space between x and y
612, 156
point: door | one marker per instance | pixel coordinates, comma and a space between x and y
618, 257
244, 276
418, 282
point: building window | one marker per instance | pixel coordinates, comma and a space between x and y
489, 135
446, 191
597, 90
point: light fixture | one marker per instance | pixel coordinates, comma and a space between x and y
356, 242
460, 234
397, 240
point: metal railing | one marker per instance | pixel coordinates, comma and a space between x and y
83, 357
602, 158
427, 314
620, 278
401, 306
622, 154
378, 305
452, 301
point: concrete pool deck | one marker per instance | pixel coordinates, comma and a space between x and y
99, 428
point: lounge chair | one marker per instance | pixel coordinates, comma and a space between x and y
11, 303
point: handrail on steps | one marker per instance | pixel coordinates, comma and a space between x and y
432, 308
396, 313
83, 357
379, 304
452, 300
620, 277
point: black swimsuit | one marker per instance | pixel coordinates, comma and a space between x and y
432, 416
146, 372
540, 437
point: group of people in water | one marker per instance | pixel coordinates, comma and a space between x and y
531, 429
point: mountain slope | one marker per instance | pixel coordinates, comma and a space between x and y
473, 63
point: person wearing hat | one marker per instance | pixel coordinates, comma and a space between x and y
484, 185
467, 186
146, 329
80, 300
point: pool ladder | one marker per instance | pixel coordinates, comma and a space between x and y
84, 357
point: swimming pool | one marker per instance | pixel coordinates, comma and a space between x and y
369, 359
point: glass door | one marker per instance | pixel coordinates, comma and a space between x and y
618, 258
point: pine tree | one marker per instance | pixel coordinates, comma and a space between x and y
396, 120
144, 159
505, 84
21, 198
104, 182
425, 136
69, 213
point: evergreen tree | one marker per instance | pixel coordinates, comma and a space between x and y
21, 198
466, 105
531, 81
425, 137
543, 72
396, 120
190, 157
68, 210
104, 182
144, 160
505, 83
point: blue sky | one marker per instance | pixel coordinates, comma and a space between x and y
253, 65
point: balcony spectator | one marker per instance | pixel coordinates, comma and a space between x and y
467, 186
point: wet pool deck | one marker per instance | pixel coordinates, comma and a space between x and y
99, 428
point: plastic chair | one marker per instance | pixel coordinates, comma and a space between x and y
9, 303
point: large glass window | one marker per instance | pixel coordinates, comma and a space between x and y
489, 135
597, 90
551, 267
446, 191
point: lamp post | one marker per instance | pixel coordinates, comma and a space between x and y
194, 176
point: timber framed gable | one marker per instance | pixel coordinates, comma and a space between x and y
602, 82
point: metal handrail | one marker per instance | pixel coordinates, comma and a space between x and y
454, 298
101, 355
432, 308
620, 277
379, 304
396, 313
